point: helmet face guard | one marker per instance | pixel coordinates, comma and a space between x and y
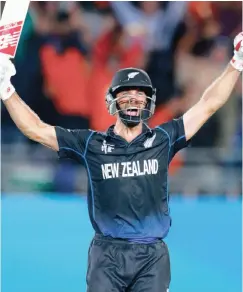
142, 112
126, 79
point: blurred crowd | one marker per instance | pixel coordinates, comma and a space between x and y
69, 51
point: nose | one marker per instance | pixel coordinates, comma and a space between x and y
133, 99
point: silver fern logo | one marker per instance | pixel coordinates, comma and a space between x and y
149, 142
132, 75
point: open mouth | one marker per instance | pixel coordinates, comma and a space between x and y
132, 112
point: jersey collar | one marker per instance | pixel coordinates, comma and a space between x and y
145, 130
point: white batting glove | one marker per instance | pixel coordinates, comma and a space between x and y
7, 70
237, 60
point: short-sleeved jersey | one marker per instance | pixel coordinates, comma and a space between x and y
128, 182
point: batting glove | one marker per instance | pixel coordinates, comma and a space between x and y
237, 60
7, 70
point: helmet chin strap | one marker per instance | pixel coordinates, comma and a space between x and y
127, 120
130, 123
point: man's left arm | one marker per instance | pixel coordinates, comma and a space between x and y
217, 94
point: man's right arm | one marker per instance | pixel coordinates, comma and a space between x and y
29, 123
24, 118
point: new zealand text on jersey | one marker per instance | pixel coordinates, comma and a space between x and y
130, 168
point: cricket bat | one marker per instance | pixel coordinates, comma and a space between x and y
11, 25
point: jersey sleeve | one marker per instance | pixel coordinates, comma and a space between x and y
72, 143
176, 133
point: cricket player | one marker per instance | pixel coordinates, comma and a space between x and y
127, 167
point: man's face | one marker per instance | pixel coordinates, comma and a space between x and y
132, 101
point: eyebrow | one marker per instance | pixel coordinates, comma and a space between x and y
123, 92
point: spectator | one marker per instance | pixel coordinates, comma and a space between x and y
63, 61
160, 28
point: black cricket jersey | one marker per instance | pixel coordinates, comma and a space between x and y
128, 182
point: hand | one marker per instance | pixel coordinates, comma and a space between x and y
7, 70
237, 60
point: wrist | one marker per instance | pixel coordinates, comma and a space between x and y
237, 61
6, 91
238, 65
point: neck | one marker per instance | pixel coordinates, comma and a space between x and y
127, 133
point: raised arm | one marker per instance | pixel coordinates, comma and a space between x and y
126, 13
29, 123
24, 118
217, 94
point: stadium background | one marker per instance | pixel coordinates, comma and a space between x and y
67, 54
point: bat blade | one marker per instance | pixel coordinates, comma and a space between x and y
11, 25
